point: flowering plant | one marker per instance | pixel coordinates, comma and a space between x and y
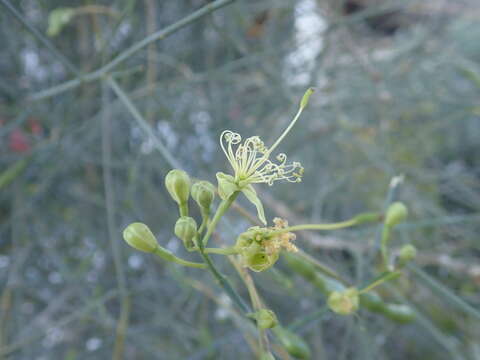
259, 247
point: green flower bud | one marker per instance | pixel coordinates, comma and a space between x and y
139, 236
203, 193
407, 254
345, 302
186, 230
306, 97
400, 312
266, 319
177, 183
396, 213
294, 344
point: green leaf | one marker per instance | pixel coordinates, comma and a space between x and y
226, 185
251, 195
58, 18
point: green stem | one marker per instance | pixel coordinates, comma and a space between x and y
386, 232
167, 255
333, 226
205, 220
222, 280
221, 251
286, 131
183, 209
257, 305
383, 278
222, 209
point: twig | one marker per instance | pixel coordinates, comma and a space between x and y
159, 35
142, 122
41, 38
110, 208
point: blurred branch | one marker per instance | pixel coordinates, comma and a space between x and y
70, 66
143, 123
122, 323
161, 34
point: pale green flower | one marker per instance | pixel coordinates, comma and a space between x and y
251, 164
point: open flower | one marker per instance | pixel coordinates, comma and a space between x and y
251, 163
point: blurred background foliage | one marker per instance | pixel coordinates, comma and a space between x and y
398, 89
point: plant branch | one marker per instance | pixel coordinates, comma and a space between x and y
159, 35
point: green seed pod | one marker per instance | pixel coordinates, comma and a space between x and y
294, 344
254, 255
372, 301
186, 230
266, 319
407, 254
260, 260
400, 312
139, 236
344, 303
203, 193
177, 183
396, 213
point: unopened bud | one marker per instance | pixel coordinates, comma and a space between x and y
266, 319
344, 302
186, 230
140, 237
203, 193
407, 253
177, 183
396, 213
306, 97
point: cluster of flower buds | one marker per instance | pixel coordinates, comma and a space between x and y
180, 187
260, 247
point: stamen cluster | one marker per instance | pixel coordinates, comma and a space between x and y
251, 164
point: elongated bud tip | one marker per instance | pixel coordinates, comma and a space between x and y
396, 213
186, 230
203, 192
344, 302
407, 254
306, 97
266, 318
178, 183
140, 237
